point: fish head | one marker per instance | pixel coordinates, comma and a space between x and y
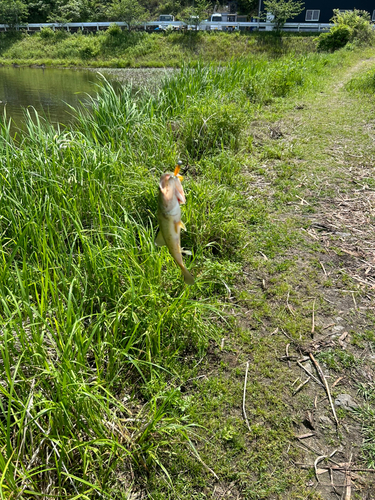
170, 189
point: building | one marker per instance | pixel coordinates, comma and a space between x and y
317, 11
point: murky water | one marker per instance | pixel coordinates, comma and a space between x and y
50, 90
46, 90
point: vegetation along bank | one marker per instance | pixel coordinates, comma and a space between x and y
117, 379
121, 49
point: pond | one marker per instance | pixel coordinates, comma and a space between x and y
50, 90
46, 90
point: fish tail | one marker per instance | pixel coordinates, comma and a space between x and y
188, 278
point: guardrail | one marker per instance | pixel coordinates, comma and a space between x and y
179, 25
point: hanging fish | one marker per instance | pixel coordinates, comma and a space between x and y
171, 195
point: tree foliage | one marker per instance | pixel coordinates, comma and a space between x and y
129, 11
195, 14
282, 11
12, 12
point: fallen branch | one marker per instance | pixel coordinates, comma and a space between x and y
321, 375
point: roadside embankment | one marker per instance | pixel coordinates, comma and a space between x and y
121, 49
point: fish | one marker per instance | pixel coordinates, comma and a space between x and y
171, 196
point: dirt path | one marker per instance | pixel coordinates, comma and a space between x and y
332, 134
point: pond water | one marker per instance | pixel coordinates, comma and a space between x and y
47, 90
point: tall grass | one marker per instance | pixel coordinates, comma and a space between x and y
93, 315
114, 48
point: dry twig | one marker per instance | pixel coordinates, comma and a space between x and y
322, 457
322, 266
300, 386
313, 318
321, 375
244, 397
348, 481
309, 374
289, 306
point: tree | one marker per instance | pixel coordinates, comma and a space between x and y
282, 10
248, 7
12, 12
128, 11
195, 14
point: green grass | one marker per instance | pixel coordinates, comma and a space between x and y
100, 339
140, 49
364, 83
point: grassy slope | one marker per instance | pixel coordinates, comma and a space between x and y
141, 49
97, 311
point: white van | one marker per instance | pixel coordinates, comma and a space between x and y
166, 18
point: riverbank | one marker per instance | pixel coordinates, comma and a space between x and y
117, 49
120, 381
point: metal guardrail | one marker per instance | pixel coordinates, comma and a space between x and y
208, 26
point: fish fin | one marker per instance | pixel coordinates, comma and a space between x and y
159, 240
182, 225
177, 225
179, 191
188, 278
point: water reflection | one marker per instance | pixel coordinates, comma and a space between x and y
47, 90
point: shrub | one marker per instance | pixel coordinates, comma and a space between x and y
88, 52
358, 21
46, 33
61, 35
335, 39
114, 30
350, 26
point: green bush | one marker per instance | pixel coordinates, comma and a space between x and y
88, 52
335, 39
358, 21
350, 26
46, 33
114, 30
61, 35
